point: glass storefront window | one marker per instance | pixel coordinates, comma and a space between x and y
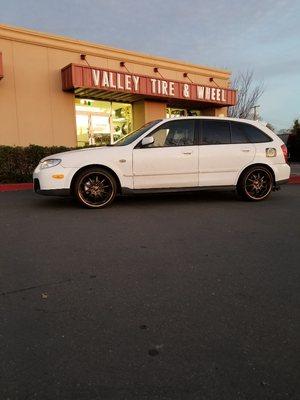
182, 112
101, 122
176, 112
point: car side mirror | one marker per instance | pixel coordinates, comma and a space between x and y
147, 140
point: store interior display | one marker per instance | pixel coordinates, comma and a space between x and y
101, 122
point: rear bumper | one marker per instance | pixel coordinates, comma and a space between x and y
282, 182
282, 173
278, 184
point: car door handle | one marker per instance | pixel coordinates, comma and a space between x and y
246, 150
187, 152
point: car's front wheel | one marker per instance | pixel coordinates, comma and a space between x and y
255, 184
95, 188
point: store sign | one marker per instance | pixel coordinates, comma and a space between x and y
1, 66
78, 76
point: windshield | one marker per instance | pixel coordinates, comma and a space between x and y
132, 136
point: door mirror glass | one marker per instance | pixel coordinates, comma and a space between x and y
147, 140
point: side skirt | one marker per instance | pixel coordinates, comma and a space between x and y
128, 191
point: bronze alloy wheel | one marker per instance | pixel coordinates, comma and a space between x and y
95, 188
256, 184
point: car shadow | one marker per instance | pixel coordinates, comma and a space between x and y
179, 197
145, 200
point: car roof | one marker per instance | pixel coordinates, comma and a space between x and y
259, 124
248, 121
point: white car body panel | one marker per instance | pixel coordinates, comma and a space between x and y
169, 167
72, 161
173, 167
220, 164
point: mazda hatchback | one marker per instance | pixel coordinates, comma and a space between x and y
186, 153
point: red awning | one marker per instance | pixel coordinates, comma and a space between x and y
124, 86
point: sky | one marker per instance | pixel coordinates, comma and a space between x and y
239, 35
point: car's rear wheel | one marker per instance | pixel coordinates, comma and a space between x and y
95, 188
255, 184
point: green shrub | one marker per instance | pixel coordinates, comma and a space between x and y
18, 163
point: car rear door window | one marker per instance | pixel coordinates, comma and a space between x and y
238, 133
255, 135
215, 132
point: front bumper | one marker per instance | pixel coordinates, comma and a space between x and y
54, 181
49, 192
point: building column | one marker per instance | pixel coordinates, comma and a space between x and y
215, 112
221, 112
145, 111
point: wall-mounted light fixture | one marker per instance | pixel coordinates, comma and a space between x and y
156, 70
83, 57
212, 80
123, 65
185, 75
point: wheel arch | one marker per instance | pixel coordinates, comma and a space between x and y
112, 172
270, 169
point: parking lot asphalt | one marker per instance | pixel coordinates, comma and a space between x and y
182, 296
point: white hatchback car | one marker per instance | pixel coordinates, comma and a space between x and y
186, 153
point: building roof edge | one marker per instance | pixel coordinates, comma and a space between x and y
68, 43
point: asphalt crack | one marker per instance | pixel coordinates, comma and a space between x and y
35, 287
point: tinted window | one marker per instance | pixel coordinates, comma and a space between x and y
255, 135
215, 132
238, 133
174, 133
131, 137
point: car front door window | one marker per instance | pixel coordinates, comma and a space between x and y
174, 133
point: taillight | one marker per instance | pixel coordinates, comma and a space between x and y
285, 152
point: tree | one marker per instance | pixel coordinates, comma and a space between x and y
293, 143
296, 128
248, 94
270, 126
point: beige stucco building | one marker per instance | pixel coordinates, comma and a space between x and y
60, 91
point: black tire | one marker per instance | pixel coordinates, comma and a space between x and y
95, 188
255, 184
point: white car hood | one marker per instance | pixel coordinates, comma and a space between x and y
76, 153
75, 158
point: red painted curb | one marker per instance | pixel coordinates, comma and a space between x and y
294, 179
12, 187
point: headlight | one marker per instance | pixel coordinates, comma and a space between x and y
51, 162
